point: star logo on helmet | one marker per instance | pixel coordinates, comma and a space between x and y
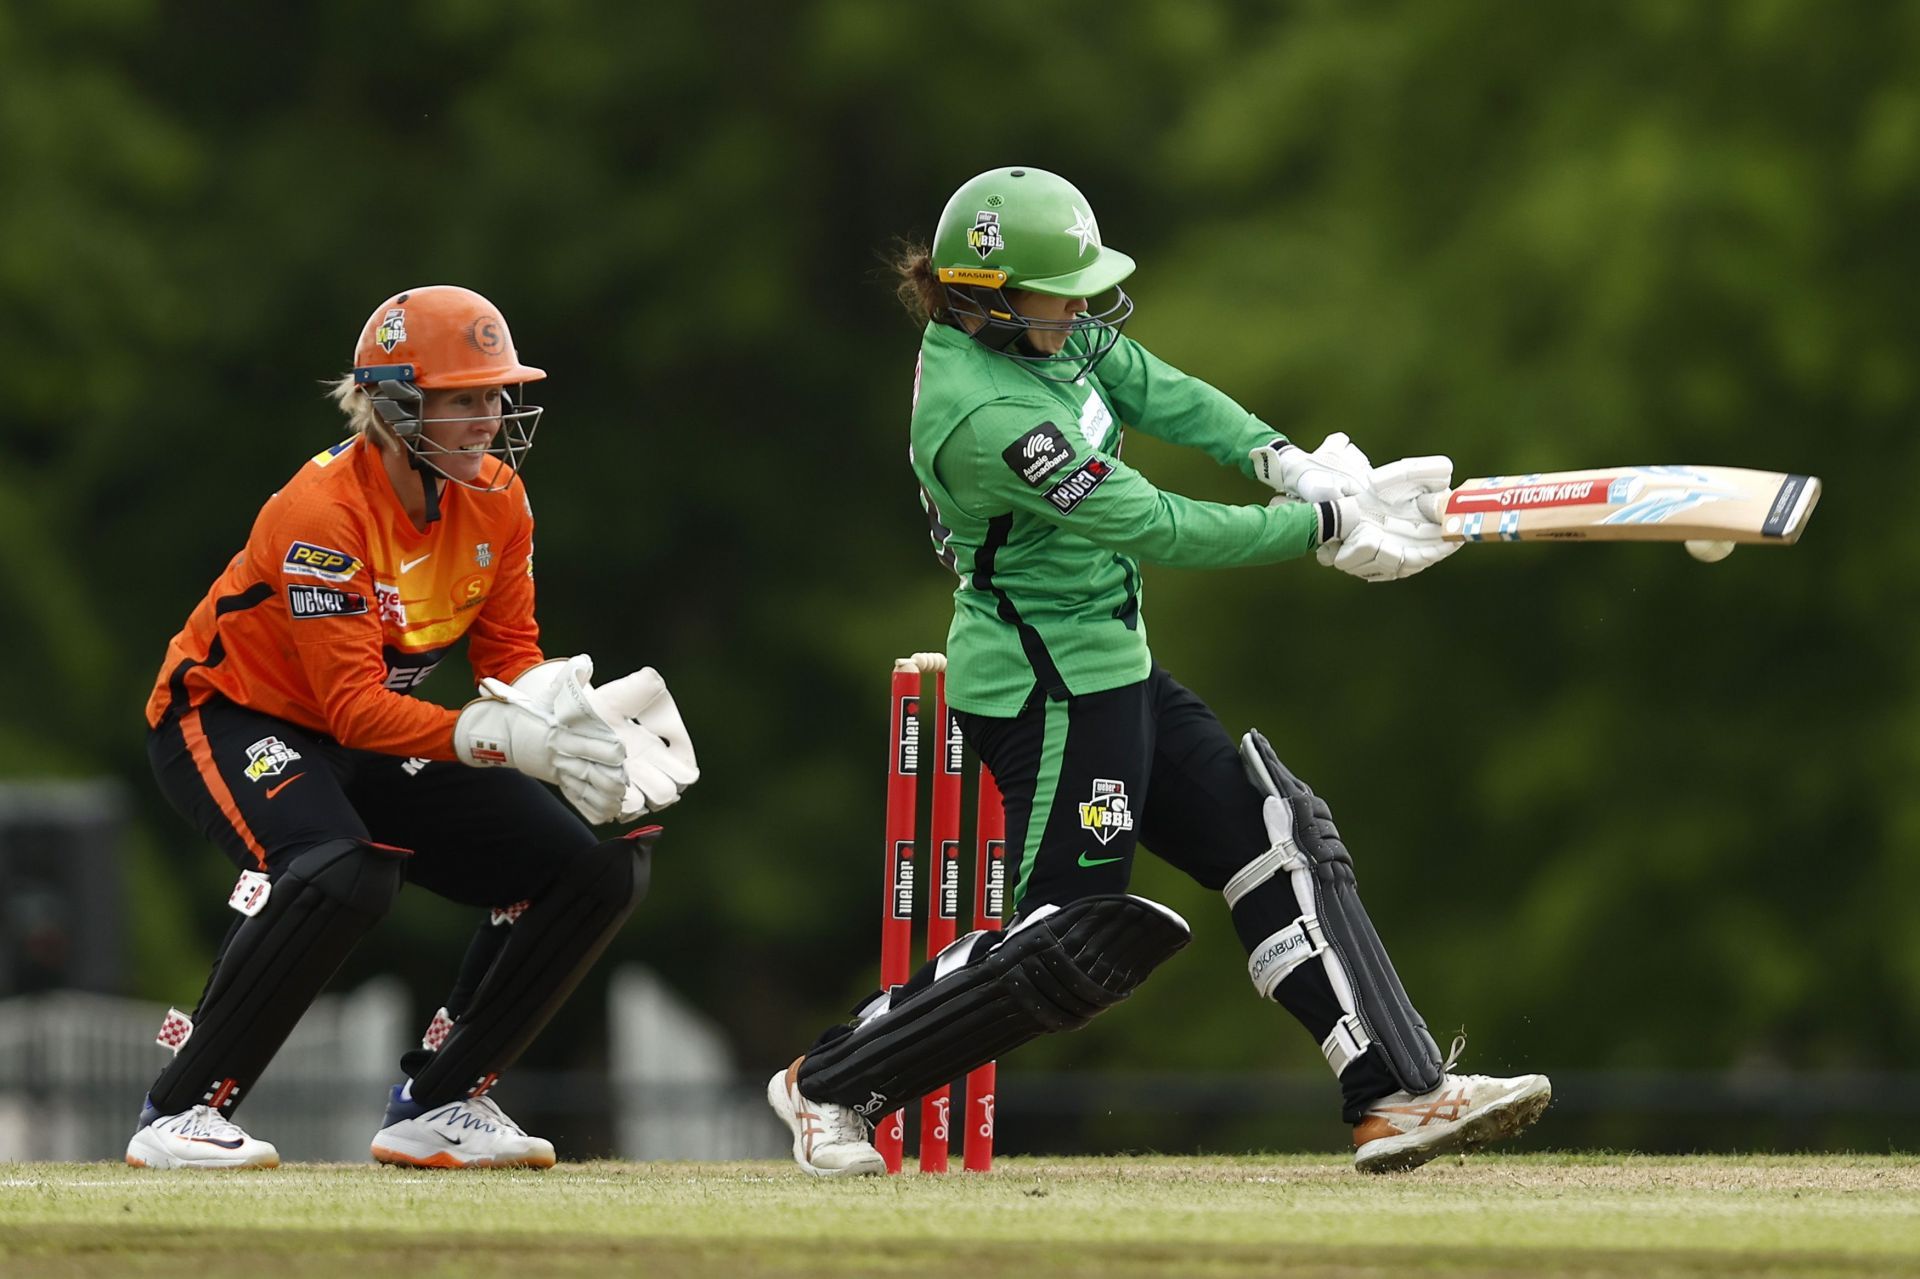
1085, 227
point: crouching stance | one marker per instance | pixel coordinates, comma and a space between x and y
1021, 400
281, 729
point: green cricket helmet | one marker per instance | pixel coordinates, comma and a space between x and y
1030, 229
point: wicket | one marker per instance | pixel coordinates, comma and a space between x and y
943, 899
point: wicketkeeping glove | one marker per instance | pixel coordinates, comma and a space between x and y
544, 725
660, 763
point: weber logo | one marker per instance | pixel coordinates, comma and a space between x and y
995, 890
1038, 454
1073, 490
900, 890
951, 761
324, 601
906, 755
948, 904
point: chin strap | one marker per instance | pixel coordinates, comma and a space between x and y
428, 484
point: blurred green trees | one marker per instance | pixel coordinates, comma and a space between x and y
1610, 807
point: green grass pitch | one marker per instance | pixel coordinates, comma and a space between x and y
1110, 1218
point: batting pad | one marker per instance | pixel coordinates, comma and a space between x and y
274, 965
548, 950
989, 993
1309, 863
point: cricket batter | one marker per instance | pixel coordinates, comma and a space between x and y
283, 730
1023, 385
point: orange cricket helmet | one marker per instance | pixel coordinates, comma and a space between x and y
440, 336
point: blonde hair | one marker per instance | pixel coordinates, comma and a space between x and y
353, 400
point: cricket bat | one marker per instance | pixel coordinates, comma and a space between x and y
1628, 504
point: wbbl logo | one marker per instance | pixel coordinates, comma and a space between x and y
984, 237
392, 331
1106, 814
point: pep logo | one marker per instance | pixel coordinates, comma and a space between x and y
307, 560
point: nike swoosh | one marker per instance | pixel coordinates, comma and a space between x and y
407, 566
231, 1143
275, 790
1097, 861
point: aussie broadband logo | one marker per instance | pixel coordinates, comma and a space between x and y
1035, 456
324, 601
304, 559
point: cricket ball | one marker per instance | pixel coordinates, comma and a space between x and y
1709, 552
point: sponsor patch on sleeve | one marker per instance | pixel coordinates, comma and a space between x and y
304, 559
1038, 454
1073, 490
324, 601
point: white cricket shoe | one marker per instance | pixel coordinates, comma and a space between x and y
1403, 1131
470, 1133
197, 1138
828, 1140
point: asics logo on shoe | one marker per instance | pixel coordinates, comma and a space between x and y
1447, 1109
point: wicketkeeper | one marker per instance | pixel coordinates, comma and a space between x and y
283, 730
1023, 384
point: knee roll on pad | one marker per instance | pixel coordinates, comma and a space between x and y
548, 950
989, 993
1307, 874
273, 966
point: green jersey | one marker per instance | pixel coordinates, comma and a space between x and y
1046, 527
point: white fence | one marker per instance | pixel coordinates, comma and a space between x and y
74, 1068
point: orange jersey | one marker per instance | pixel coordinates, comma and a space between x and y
338, 604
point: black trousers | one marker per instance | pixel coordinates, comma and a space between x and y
1090, 778
264, 791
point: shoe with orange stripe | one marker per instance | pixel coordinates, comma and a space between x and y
470, 1133
197, 1138
828, 1140
1403, 1130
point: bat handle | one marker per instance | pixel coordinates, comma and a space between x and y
1433, 506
